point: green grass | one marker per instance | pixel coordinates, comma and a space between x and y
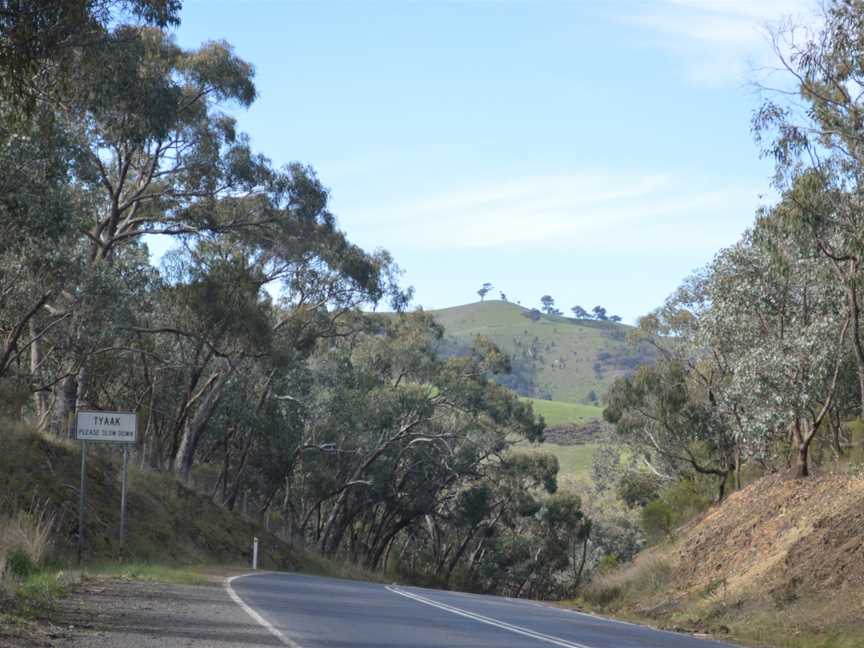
574, 461
148, 572
558, 358
39, 592
558, 413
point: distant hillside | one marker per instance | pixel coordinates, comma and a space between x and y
554, 358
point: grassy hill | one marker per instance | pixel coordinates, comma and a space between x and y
554, 358
167, 522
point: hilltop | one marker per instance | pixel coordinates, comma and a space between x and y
554, 358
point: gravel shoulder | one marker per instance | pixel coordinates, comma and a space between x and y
114, 613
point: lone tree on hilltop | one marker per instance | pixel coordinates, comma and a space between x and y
599, 313
485, 289
580, 313
615, 318
548, 304
503, 297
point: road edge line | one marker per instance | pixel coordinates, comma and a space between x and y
255, 615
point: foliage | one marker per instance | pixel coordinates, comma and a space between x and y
657, 521
39, 591
19, 564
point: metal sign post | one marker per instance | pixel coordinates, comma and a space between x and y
123, 494
82, 502
110, 427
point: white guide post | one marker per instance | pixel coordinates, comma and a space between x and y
254, 553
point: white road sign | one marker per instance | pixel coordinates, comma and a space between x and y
117, 427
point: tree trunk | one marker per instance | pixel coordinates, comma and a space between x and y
800, 468
834, 422
37, 356
64, 403
584, 558
81, 380
194, 429
721, 487
737, 467
238, 479
325, 544
855, 312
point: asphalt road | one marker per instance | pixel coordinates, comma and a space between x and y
314, 612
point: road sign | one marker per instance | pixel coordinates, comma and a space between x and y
114, 427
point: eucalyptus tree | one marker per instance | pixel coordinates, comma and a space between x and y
42, 41
779, 320
662, 413
398, 429
815, 137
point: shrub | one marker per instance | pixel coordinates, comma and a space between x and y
19, 565
637, 488
688, 497
657, 521
27, 534
607, 563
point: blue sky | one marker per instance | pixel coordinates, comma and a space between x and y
594, 151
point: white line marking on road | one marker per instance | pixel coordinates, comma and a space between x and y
257, 617
557, 641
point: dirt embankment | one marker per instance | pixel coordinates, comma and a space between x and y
778, 535
779, 563
590, 432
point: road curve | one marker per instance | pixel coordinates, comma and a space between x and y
314, 612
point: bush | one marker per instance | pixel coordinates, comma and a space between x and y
30, 531
637, 488
19, 565
688, 497
657, 521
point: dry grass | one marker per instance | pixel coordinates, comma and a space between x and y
778, 564
616, 589
29, 529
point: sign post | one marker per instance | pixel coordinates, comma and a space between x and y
123, 494
106, 427
82, 502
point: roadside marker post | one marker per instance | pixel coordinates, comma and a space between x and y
255, 553
105, 427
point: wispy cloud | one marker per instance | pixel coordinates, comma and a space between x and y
719, 42
580, 212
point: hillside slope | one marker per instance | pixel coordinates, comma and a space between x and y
167, 522
779, 562
554, 358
